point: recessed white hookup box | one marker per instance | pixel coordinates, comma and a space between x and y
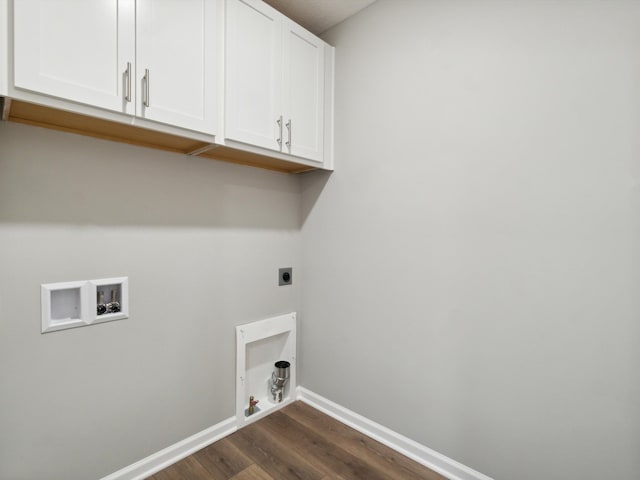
64, 305
259, 345
111, 299
82, 303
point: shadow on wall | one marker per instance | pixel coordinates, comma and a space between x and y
53, 177
312, 185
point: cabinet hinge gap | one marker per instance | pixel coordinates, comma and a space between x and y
5, 108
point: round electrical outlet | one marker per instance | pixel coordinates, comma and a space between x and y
285, 276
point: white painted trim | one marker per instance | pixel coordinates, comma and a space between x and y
329, 106
174, 453
269, 327
429, 458
425, 456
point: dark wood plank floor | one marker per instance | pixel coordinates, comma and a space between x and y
296, 443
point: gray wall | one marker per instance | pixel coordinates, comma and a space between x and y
473, 264
200, 241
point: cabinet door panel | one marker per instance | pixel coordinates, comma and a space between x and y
177, 46
303, 92
4, 27
75, 49
253, 73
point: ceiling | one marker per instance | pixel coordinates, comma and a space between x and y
318, 16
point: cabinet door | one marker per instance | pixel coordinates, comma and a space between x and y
176, 62
303, 92
253, 73
4, 62
76, 49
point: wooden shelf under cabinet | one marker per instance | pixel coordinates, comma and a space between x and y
47, 117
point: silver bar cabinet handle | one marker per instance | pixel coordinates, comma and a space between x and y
146, 87
127, 83
279, 139
289, 133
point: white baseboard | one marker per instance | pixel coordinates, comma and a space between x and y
174, 453
429, 458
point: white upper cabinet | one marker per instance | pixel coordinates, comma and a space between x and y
231, 73
274, 86
253, 112
77, 50
156, 59
176, 62
4, 49
303, 92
